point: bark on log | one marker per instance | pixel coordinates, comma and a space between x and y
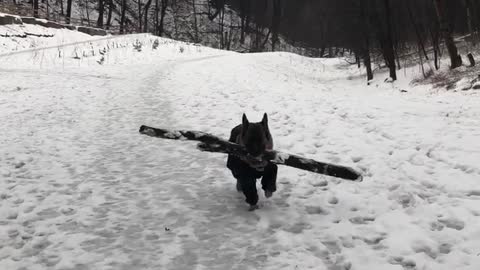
211, 143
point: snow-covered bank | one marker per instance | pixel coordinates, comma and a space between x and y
20, 36
80, 188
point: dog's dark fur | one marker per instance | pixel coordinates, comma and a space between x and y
256, 138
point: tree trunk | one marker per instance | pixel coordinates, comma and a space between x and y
88, 12
101, 8
220, 29
436, 48
35, 8
446, 32
139, 16
471, 21
242, 21
389, 49
69, 11
357, 59
110, 11
195, 26
248, 6
122, 18
175, 19
162, 17
61, 8
145, 19
276, 17
366, 43
212, 143
322, 51
262, 46
368, 65
230, 36
157, 12
417, 31
471, 59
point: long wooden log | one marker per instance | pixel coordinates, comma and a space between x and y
211, 143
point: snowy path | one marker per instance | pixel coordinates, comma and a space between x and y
81, 189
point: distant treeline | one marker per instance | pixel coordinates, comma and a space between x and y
385, 29
390, 26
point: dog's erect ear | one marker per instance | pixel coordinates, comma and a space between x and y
245, 124
245, 121
265, 120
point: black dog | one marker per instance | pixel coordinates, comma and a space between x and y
256, 138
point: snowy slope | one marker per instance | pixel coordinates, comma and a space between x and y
81, 189
17, 37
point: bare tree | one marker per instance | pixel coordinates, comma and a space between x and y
417, 30
276, 17
145, 21
446, 33
87, 9
471, 18
35, 8
110, 11
163, 11
157, 12
195, 24
389, 50
122, 17
69, 11
365, 49
61, 7
47, 12
101, 8
139, 2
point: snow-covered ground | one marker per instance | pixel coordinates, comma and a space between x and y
81, 189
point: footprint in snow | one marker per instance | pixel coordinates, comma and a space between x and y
29, 209
12, 233
19, 164
373, 240
453, 223
318, 145
332, 200
436, 226
422, 247
316, 210
5, 173
445, 248
405, 263
12, 215
67, 211
473, 193
332, 246
361, 220
48, 213
5, 196
319, 183
298, 228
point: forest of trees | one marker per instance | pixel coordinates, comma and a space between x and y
371, 31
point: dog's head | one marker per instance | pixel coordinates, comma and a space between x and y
256, 136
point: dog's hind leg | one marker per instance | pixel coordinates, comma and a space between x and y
239, 186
